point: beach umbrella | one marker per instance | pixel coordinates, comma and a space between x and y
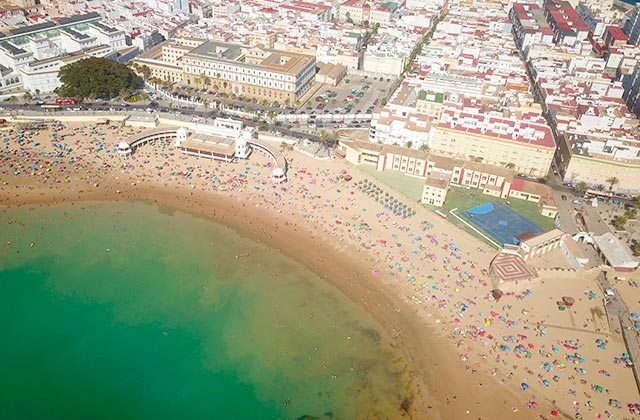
524, 386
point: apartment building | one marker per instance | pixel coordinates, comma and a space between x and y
632, 90
530, 25
385, 55
526, 146
567, 25
632, 26
250, 72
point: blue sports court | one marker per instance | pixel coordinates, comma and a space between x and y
499, 221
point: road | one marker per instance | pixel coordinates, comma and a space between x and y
188, 114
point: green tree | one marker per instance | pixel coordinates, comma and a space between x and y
510, 166
613, 181
425, 148
619, 222
636, 248
631, 214
27, 96
96, 77
581, 187
409, 144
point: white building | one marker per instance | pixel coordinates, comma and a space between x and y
385, 57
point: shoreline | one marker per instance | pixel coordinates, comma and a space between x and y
425, 350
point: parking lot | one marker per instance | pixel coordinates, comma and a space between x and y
353, 95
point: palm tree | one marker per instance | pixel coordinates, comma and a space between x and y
510, 165
27, 96
424, 148
600, 187
613, 181
409, 144
581, 187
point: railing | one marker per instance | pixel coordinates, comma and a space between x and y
150, 136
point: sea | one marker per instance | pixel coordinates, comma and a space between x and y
128, 310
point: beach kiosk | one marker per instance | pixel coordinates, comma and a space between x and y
278, 176
124, 149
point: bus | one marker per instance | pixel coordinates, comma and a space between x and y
51, 107
65, 101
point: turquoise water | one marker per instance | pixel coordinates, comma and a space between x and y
129, 311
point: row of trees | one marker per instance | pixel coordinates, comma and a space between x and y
582, 186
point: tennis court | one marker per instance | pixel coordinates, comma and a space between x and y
503, 224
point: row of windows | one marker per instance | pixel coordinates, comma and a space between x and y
239, 69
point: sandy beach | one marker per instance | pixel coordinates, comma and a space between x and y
424, 279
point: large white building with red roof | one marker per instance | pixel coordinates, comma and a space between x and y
526, 144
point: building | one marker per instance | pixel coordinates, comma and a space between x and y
42, 75
384, 55
441, 173
615, 253
632, 26
595, 159
435, 189
526, 146
225, 140
245, 71
542, 243
567, 25
614, 37
632, 90
530, 25
330, 74
388, 127
31, 55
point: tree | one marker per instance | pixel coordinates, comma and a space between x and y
613, 181
409, 144
619, 222
326, 138
600, 187
581, 187
13, 99
146, 71
510, 166
96, 77
631, 214
424, 148
636, 248
27, 96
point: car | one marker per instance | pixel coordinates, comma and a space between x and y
578, 202
609, 292
564, 197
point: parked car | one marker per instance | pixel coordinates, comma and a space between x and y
564, 197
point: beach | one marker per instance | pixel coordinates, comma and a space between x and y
422, 278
